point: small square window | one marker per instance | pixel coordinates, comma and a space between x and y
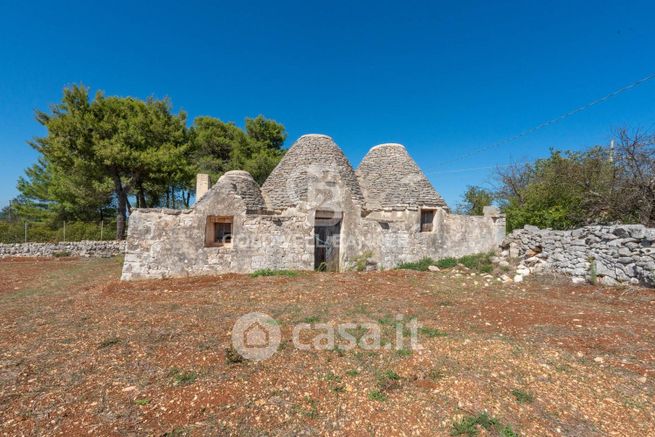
218, 231
223, 233
427, 217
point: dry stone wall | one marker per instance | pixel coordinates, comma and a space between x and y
609, 254
99, 249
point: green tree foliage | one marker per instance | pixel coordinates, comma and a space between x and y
219, 146
102, 155
475, 199
572, 189
107, 147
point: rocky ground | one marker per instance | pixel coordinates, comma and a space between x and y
84, 354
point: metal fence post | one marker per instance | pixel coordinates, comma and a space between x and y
64, 230
25, 231
102, 225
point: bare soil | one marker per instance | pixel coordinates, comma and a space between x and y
82, 353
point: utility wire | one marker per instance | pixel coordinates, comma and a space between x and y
464, 170
553, 120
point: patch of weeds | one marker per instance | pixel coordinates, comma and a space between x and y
421, 265
142, 402
358, 332
182, 378
332, 377
312, 412
339, 351
232, 356
311, 319
522, 396
563, 367
447, 263
352, 372
361, 260
630, 403
109, 342
387, 320
271, 272
282, 346
431, 332
469, 426
390, 374
593, 270
388, 380
205, 346
436, 374
338, 388
377, 395
361, 309
404, 352
480, 262
62, 254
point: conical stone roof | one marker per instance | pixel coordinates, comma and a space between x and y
390, 179
305, 163
242, 183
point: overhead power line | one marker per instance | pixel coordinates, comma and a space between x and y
464, 170
553, 120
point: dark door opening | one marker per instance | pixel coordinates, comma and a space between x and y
327, 232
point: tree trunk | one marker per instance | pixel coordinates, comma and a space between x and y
121, 213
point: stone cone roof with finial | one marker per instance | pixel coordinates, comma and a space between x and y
242, 184
309, 157
390, 179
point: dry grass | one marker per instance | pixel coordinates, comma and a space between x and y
83, 353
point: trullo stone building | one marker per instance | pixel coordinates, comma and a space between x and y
313, 212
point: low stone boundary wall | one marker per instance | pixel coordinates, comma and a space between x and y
609, 254
87, 248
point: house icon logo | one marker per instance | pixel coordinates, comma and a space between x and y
256, 336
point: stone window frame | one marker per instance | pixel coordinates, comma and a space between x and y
211, 224
427, 226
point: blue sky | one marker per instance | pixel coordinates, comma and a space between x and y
442, 78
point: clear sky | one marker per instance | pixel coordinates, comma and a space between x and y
442, 78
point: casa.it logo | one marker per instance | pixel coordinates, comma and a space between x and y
256, 336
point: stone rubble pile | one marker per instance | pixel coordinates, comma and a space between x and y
609, 255
86, 248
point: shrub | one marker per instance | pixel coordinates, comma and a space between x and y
421, 265
271, 272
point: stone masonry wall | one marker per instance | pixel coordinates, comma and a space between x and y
165, 243
613, 254
100, 249
394, 237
